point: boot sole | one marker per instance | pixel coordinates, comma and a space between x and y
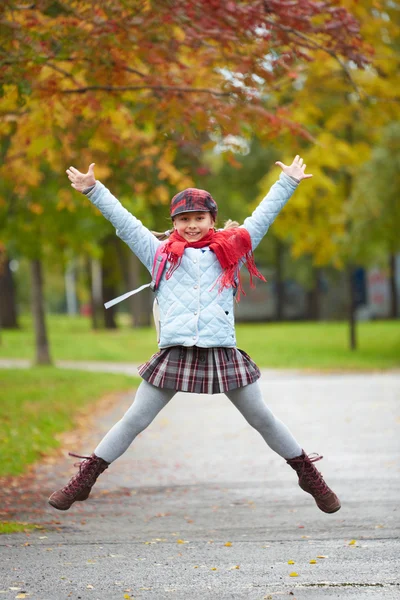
330, 512
54, 505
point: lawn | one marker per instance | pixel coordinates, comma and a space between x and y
299, 345
38, 404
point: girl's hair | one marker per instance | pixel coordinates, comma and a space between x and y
165, 235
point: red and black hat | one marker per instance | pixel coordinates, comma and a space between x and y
193, 200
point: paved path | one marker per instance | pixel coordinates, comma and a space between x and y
161, 520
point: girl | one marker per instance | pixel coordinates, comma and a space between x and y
197, 342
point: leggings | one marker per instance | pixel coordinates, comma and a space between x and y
150, 400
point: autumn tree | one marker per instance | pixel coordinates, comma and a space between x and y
126, 83
375, 208
345, 118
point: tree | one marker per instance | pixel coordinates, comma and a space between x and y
345, 124
375, 207
123, 83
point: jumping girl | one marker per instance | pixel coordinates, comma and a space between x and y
197, 342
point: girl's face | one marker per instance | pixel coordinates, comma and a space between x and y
193, 226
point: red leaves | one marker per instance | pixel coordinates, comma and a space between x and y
205, 65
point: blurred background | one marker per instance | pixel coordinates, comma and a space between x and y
163, 96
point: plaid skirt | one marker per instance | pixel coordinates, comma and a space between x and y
200, 370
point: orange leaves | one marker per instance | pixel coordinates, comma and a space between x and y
35, 208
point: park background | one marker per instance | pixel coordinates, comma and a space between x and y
163, 96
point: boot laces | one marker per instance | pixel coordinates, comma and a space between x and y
84, 478
311, 473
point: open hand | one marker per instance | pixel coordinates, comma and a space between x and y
81, 181
296, 169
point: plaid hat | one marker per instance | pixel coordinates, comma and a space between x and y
193, 200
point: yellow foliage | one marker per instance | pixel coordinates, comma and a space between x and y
35, 208
8, 102
65, 200
162, 194
178, 33
99, 143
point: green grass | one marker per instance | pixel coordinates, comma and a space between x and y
16, 527
288, 345
323, 346
37, 404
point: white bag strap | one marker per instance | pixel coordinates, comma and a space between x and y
125, 296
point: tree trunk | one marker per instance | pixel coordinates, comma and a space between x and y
8, 309
70, 288
42, 346
109, 274
279, 283
93, 281
140, 303
352, 310
314, 297
394, 301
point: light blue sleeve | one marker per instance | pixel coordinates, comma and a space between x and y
266, 212
139, 239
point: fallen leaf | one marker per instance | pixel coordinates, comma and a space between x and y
321, 556
352, 543
290, 562
214, 569
293, 574
313, 562
228, 544
182, 542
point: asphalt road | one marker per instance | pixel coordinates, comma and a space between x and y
200, 508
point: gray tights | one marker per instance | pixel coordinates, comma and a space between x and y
149, 400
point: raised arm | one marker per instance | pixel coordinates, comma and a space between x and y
140, 240
268, 209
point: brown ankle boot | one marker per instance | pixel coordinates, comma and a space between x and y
79, 486
312, 482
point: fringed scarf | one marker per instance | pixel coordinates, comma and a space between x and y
232, 248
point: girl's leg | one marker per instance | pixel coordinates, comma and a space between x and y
149, 400
249, 401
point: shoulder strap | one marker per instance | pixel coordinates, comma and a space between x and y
160, 260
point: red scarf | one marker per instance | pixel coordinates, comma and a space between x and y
232, 247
